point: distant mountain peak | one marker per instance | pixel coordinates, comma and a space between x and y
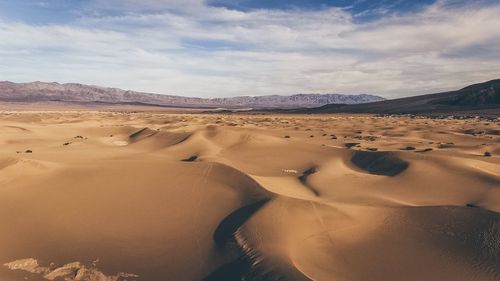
38, 91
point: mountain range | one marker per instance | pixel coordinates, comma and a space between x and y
36, 92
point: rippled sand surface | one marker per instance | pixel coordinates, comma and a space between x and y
108, 196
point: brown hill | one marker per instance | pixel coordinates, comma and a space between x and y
478, 97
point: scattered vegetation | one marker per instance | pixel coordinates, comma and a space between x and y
351, 144
446, 145
408, 148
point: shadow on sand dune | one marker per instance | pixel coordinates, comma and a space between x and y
379, 163
226, 229
237, 269
246, 266
142, 134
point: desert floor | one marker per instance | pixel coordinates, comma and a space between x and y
104, 196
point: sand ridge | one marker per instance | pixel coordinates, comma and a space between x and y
168, 196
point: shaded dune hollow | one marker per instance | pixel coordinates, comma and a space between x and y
190, 158
250, 263
225, 238
153, 140
142, 134
305, 175
227, 228
379, 163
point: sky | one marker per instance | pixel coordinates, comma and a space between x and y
222, 48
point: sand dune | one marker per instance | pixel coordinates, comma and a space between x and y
108, 196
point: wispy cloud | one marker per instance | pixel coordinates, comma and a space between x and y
201, 50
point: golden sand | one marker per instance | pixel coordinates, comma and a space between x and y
105, 196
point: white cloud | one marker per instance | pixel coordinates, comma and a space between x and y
171, 47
